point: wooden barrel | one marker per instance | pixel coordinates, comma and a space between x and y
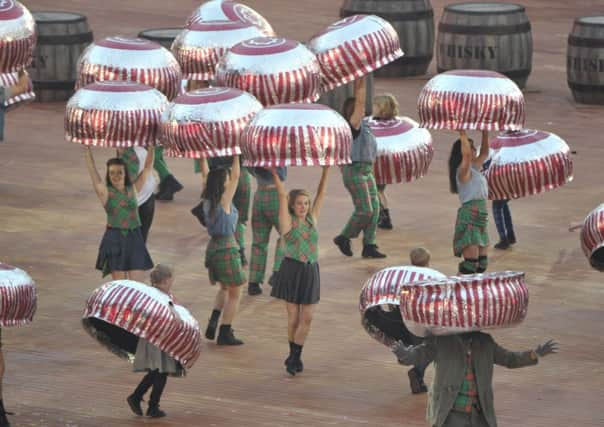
163, 36
62, 37
486, 36
585, 60
413, 20
335, 98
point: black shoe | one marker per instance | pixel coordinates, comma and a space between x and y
343, 244
415, 381
503, 244
385, 223
512, 238
370, 251
3, 420
167, 188
155, 412
226, 336
211, 330
254, 288
135, 405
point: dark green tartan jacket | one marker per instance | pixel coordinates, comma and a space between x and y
448, 354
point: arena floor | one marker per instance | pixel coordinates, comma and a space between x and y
51, 223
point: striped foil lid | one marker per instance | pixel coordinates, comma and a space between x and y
353, 47
11, 79
18, 298
471, 100
207, 122
466, 303
404, 150
275, 70
592, 238
219, 10
130, 59
384, 288
115, 114
296, 135
17, 36
125, 308
527, 162
199, 47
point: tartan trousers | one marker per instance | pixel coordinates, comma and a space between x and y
159, 164
241, 200
360, 183
265, 216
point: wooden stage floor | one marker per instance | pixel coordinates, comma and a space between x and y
51, 223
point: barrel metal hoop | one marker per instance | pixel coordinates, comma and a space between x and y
59, 39
75, 19
512, 74
485, 29
393, 16
54, 85
452, 9
585, 42
420, 59
580, 87
579, 21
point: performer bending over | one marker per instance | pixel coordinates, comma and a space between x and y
297, 282
471, 239
152, 360
122, 251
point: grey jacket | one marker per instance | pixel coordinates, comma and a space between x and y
364, 146
448, 354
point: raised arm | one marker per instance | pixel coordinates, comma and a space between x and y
415, 355
231, 187
147, 169
97, 183
285, 219
318, 203
359, 103
483, 155
574, 226
463, 171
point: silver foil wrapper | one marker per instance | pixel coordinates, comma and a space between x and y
18, 297
17, 36
218, 10
592, 238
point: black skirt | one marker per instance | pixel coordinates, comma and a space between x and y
297, 282
119, 252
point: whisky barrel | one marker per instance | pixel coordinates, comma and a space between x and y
486, 36
413, 20
62, 37
163, 36
335, 98
585, 60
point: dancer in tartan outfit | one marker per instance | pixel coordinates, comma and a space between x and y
471, 238
359, 180
462, 391
297, 282
122, 251
265, 217
222, 258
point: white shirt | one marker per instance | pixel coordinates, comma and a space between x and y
152, 181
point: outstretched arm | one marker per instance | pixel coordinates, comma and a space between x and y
147, 169
285, 220
231, 188
415, 355
359, 104
463, 171
573, 226
318, 203
97, 183
512, 360
483, 155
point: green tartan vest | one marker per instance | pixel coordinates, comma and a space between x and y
302, 241
132, 163
122, 209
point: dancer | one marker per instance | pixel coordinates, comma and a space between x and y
122, 251
222, 259
7, 92
391, 323
168, 185
385, 108
135, 160
265, 217
503, 219
471, 237
461, 393
359, 180
297, 282
150, 359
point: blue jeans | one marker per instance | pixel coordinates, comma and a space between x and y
503, 220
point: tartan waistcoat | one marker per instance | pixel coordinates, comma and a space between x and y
302, 241
122, 209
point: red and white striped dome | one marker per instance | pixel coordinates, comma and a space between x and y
471, 100
592, 238
219, 10
18, 299
17, 36
114, 114
296, 135
130, 59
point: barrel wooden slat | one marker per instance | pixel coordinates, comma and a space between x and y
163, 36
62, 37
335, 98
413, 20
585, 60
486, 36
